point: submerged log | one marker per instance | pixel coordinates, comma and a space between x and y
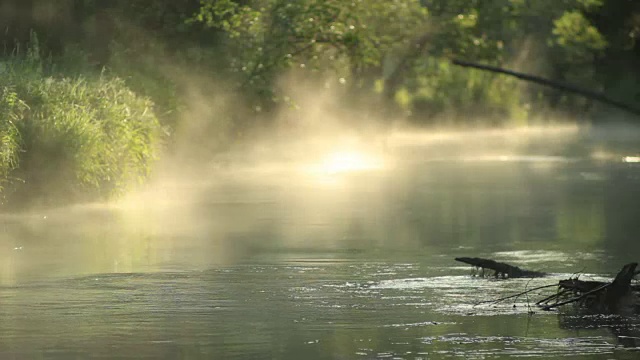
615, 297
599, 296
501, 269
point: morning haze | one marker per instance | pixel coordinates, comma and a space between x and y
271, 179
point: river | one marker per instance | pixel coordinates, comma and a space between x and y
348, 256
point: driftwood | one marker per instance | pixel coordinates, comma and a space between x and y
610, 297
619, 296
500, 269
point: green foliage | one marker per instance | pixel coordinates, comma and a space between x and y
11, 110
578, 39
439, 88
146, 71
500, 26
81, 138
393, 43
590, 5
358, 39
559, 41
266, 37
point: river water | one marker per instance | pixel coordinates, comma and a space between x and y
347, 256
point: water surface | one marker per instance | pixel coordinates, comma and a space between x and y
292, 261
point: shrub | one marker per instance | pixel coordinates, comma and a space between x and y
71, 138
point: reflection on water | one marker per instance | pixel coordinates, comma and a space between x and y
626, 330
287, 310
355, 262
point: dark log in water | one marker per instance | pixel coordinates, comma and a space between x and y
610, 297
616, 297
503, 270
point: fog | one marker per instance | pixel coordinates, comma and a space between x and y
324, 176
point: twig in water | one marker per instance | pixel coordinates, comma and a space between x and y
578, 273
514, 296
578, 298
553, 297
531, 312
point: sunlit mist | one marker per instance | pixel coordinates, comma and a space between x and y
334, 191
349, 161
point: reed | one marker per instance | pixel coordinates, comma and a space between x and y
70, 138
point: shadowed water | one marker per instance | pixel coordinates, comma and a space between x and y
290, 264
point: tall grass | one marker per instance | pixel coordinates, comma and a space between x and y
70, 138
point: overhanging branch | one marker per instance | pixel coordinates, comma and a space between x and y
554, 84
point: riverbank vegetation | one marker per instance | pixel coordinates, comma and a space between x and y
70, 138
90, 89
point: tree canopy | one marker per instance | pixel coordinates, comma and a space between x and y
398, 50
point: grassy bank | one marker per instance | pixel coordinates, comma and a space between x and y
70, 138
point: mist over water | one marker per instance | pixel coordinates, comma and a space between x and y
341, 247
407, 192
294, 212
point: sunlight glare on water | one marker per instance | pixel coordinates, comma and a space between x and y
334, 167
348, 161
